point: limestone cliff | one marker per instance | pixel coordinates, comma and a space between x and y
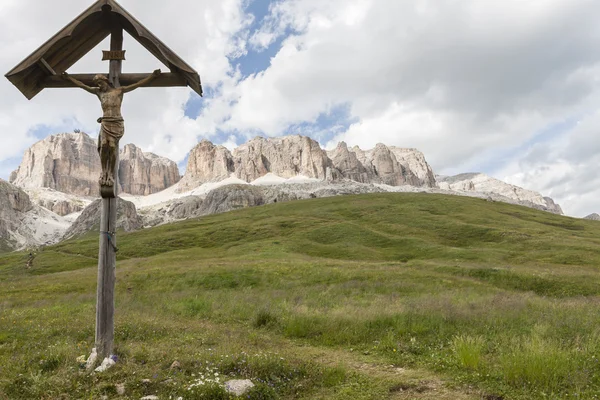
206, 163
414, 161
69, 163
347, 164
142, 173
286, 157
383, 165
292, 156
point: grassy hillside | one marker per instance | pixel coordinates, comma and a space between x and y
399, 296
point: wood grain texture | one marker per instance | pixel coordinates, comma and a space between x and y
107, 253
107, 263
163, 80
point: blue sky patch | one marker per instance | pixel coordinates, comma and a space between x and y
499, 158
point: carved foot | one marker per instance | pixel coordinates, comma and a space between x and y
106, 179
107, 186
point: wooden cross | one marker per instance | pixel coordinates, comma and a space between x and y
46, 68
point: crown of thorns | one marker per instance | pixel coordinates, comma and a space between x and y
100, 78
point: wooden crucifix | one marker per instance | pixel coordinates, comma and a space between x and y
46, 68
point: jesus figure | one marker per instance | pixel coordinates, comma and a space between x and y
112, 123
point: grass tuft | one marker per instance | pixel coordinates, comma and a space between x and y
468, 350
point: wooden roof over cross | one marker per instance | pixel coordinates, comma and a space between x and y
42, 69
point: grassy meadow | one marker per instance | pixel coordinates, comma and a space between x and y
380, 296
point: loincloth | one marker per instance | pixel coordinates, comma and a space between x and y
112, 130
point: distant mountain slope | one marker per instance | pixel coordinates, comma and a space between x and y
378, 226
24, 224
477, 182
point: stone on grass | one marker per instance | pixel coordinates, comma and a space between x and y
91, 361
106, 364
238, 387
151, 397
175, 365
120, 389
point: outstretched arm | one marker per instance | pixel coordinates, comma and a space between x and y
141, 83
80, 84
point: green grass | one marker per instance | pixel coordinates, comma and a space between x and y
468, 350
320, 299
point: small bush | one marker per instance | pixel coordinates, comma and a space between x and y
262, 392
265, 318
467, 350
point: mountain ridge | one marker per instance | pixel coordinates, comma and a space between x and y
261, 171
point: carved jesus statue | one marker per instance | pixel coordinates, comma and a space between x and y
112, 123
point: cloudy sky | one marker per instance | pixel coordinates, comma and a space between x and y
510, 88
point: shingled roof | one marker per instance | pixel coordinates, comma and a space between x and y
83, 34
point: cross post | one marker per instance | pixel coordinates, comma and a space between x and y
107, 253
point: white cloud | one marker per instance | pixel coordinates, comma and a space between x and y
565, 168
463, 81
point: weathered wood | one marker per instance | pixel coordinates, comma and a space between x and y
47, 67
116, 44
163, 80
69, 54
107, 262
107, 254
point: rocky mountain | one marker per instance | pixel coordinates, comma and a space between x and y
383, 165
301, 156
14, 203
286, 157
206, 163
66, 162
24, 224
58, 176
230, 197
69, 163
145, 173
413, 160
348, 165
593, 217
58, 202
481, 183
89, 220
